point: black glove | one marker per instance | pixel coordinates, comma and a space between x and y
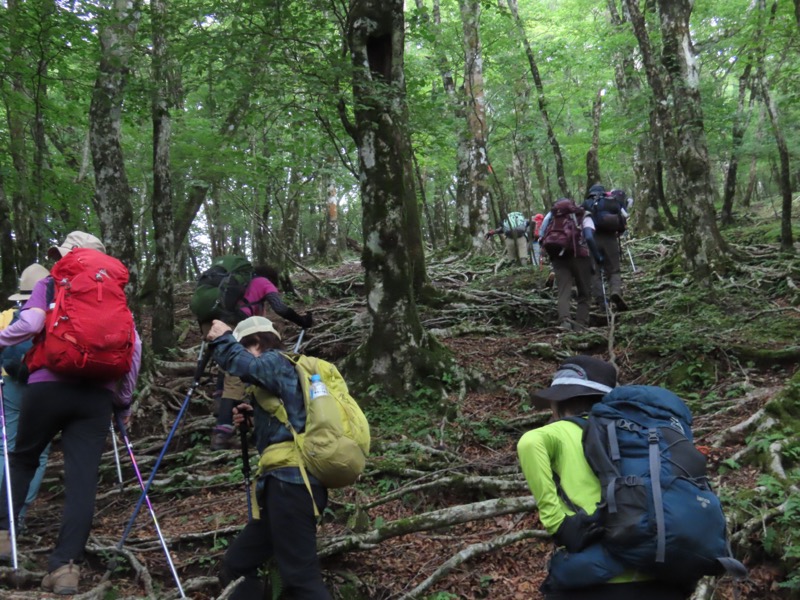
307, 320
489, 234
579, 531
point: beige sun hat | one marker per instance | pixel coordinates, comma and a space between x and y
76, 239
253, 325
27, 280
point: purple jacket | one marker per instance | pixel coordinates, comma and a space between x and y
31, 322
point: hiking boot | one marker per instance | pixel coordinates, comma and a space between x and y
222, 437
64, 580
618, 301
566, 325
5, 545
580, 326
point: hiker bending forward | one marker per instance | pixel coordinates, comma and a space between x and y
286, 528
567, 492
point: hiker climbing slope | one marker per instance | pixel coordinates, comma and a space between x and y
286, 527
610, 221
567, 237
243, 291
15, 378
73, 389
514, 229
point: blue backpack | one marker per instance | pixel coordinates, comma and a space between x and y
659, 513
12, 357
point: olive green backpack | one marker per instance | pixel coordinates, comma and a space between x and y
335, 443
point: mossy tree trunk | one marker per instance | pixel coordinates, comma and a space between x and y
112, 197
163, 324
473, 159
679, 118
397, 353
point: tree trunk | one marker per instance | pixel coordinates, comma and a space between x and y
182, 224
163, 324
22, 205
647, 152
112, 194
685, 152
592, 158
398, 351
473, 162
8, 273
784, 173
544, 183
425, 204
471, 183
542, 101
740, 121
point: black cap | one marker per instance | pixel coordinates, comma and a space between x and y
578, 376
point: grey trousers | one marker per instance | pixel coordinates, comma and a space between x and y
608, 245
571, 272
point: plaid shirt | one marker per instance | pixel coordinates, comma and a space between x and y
274, 373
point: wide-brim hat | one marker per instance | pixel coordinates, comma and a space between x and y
27, 280
253, 325
578, 376
76, 239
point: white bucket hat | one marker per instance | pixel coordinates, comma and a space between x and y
253, 325
27, 280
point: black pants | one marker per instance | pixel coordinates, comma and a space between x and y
82, 413
287, 531
642, 590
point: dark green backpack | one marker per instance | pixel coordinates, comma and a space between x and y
220, 290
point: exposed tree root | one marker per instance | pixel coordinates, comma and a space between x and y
470, 552
453, 515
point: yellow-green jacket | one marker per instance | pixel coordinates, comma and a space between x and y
552, 452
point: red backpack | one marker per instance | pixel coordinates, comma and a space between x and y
563, 237
89, 330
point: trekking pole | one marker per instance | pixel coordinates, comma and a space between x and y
605, 299
202, 362
299, 339
127, 441
116, 457
630, 256
12, 531
246, 466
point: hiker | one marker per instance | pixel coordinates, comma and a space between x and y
286, 529
567, 492
78, 406
15, 377
515, 229
261, 290
610, 219
535, 227
567, 235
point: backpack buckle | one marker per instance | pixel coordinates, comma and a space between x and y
652, 436
627, 425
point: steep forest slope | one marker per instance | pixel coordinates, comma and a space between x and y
443, 511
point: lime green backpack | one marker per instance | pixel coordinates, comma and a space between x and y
335, 443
